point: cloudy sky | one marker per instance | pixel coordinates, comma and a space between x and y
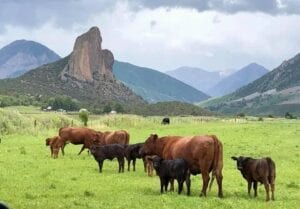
209, 34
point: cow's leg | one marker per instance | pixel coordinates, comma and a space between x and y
162, 182
172, 185
145, 164
273, 188
82, 148
249, 187
122, 164
63, 149
211, 182
180, 185
100, 163
266, 184
51, 150
255, 188
133, 163
128, 162
188, 184
219, 178
166, 183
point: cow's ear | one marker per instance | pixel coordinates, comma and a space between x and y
234, 158
155, 136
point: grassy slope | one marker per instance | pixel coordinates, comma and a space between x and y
30, 179
155, 86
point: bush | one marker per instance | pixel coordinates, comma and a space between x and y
289, 116
84, 116
241, 115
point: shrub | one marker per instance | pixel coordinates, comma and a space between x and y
84, 116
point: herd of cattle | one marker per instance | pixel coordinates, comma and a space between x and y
173, 157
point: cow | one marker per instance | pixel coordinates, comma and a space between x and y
114, 137
55, 143
204, 154
132, 152
172, 169
165, 121
110, 151
257, 170
79, 135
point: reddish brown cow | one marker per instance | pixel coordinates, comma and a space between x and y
55, 143
114, 137
203, 154
80, 135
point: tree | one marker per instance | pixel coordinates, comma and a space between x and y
84, 116
107, 109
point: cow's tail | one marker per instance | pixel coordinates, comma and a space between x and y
272, 170
218, 159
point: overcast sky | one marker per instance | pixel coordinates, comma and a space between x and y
209, 34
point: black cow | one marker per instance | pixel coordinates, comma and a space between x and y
172, 169
110, 152
258, 170
165, 121
132, 152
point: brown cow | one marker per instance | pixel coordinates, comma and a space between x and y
257, 170
114, 137
55, 143
80, 135
203, 153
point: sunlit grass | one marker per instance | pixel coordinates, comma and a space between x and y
29, 178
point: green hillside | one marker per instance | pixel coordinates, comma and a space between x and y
277, 92
155, 86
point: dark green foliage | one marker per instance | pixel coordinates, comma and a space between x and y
63, 102
241, 115
289, 116
84, 116
107, 109
170, 109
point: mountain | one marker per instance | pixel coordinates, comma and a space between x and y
196, 77
238, 79
155, 86
20, 56
86, 75
277, 92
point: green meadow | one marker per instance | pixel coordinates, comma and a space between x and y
29, 178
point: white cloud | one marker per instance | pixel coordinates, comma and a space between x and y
165, 39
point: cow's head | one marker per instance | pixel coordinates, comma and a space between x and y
240, 161
156, 160
149, 147
48, 140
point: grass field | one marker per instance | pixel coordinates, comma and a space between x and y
29, 178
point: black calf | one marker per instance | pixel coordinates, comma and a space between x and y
110, 152
172, 169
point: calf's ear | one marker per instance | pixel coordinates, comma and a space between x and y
234, 158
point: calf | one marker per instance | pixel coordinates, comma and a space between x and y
110, 152
172, 169
258, 170
132, 152
55, 143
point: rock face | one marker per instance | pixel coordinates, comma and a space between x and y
88, 62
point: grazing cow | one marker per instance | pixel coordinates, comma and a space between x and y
257, 170
132, 152
204, 154
110, 151
165, 121
114, 137
172, 169
80, 135
55, 143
